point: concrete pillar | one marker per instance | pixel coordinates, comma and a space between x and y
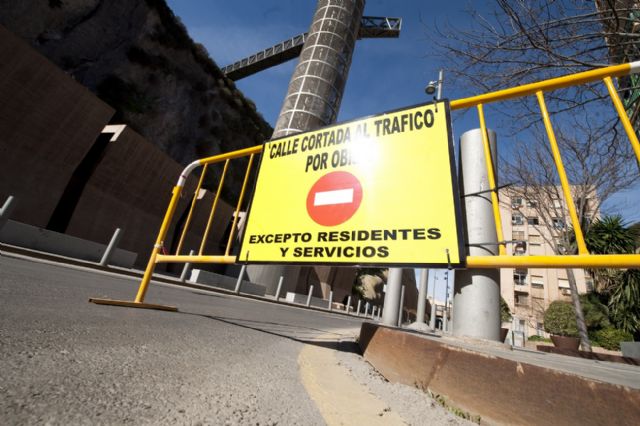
315, 90
392, 297
477, 291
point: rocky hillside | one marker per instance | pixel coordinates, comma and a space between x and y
138, 57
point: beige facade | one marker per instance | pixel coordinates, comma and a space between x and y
538, 221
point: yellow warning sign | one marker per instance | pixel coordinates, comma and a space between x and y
380, 190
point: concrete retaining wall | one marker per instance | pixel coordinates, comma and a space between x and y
48, 122
23, 235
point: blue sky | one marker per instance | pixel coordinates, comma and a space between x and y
385, 74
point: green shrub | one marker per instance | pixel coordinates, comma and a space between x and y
560, 319
596, 314
610, 338
505, 312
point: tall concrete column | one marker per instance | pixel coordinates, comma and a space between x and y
476, 297
315, 90
391, 307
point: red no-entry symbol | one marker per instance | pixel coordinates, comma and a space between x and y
334, 198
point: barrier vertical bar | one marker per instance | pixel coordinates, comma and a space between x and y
6, 210
193, 205
564, 182
624, 118
330, 300
348, 307
237, 212
492, 181
146, 278
213, 208
358, 308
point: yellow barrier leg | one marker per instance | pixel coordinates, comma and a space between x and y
146, 278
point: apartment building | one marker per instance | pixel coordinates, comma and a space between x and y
536, 219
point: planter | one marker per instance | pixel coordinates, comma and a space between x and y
630, 349
564, 342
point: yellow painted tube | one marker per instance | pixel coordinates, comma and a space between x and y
564, 182
545, 85
161, 258
194, 200
592, 261
237, 213
231, 155
624, 117
495, 204
213, 208
146, 278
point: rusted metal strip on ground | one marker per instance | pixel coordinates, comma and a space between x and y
499, 390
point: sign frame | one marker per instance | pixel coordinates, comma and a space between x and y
455, 194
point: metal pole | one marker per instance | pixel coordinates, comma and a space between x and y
240, 277
309, 296
476, 295
279, 288
358, 308
422, 296
432, 316
400, 311
366, 309
348, 307
440, 80
115, 239
373, 312
6, 210
330, 299
445, 319
392, 297
186, 269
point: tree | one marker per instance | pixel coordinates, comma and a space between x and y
523, 41
622, 287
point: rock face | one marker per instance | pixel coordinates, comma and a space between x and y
137, 57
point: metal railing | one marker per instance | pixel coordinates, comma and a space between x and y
582, 260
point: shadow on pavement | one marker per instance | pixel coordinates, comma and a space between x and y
301, 334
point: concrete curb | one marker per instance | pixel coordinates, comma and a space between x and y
500, 390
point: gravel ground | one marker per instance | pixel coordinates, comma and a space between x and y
413, 405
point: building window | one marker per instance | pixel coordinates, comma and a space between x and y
535, 239
563, 285
558, 223
557, 204
540, 329
533, 220
522, 299
520, 277
532, 203
517, 219
537, 281
518, 235
516, 202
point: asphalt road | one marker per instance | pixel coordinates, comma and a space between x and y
219, 360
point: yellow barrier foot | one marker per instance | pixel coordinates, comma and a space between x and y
133, 304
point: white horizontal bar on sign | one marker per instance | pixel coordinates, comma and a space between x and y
338, 196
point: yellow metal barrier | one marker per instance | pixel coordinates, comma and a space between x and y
582, 260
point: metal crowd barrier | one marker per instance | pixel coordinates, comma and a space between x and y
581, 260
